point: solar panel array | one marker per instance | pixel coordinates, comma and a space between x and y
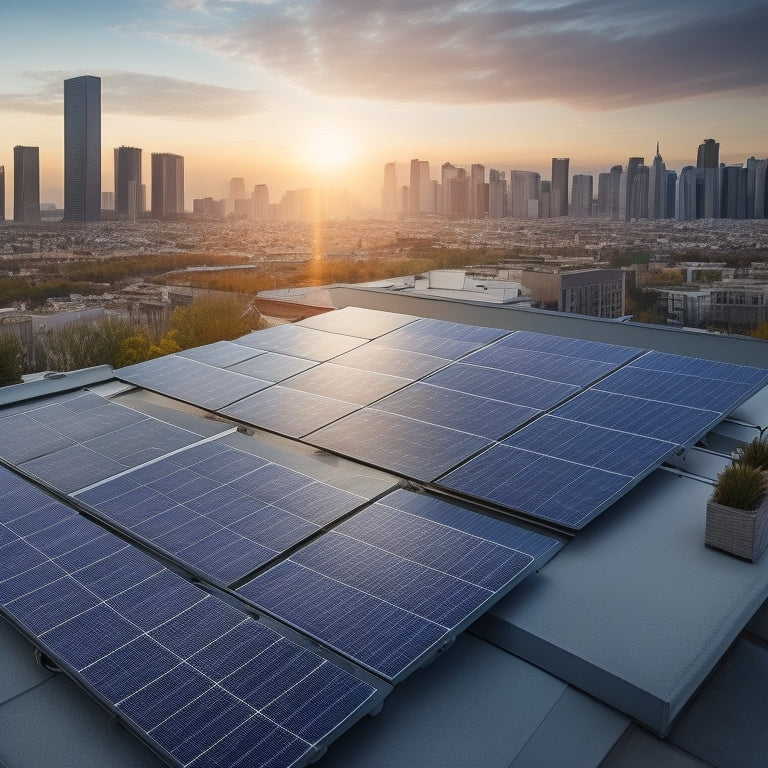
218, 511
395, 583
203, 683
83, 438
463, 407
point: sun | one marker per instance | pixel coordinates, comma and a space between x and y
329, 148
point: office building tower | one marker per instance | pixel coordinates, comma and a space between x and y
414, 187
635, 202
708, 155
459, 196
2, 193
476, 186
236, 192
26, 184
708, 180
497, 194
167, 184
686, 194
756, 188
523, 188
82, 149
671, 194
448, 172
608, 193
545, 194
260, 197
389, 191
733, 192
559, 188
657, 187
128, 203
420, 194
581, 196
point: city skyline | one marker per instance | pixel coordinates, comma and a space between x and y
332, 90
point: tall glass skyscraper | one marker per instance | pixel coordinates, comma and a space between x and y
26, 184
559, 189
128, 182
167, 184
82, 149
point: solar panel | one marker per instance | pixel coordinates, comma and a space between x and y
218, 511
406, 339
190, 381
501, 385
288, 411
708, 369
405, 446
445, 329
221, 354
392, 586
557, 491
298, 341
273, 367
457, 410
580, 348
397, 362
23, 438
357, 321
349, 384
201, 682
544, 365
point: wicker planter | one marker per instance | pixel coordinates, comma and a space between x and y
737, 531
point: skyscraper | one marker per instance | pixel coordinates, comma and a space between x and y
82, 149
26, 184
708, 180
476, 189
559, 190
686, 194
523, 189
636, 193
128, 182
389, 191
657, 187
414, 189
497, 194
708, 155
260, 197
581, 196
167, 184
2, 193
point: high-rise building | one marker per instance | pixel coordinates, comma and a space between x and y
107, 201
523, 188
686, 194
671, 194
26, 184
497, 194
389, 191
733, 192
448, 172
581, 196
260, 197
559, 189
609, 193
708, 155
545, 200
2, 193
636, 191
167, 184
476, 188
82, 148
128, 204
757, 180
657, 187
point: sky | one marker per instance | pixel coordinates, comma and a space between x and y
301, 93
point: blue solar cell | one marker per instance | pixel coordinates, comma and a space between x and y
386, 440
397, 362
270, 366
543, 365
190, 381
683, 389
581, 348
288, 411
298, 341
321, 607
494, 384
320, 503
23, 438
349, 384
545, 487
444, 329
357, 321
707, 369
664, 421
391, 585
594, 446
162, 652
221, 354
446, 348
457, 410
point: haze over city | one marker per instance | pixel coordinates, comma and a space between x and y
296, 94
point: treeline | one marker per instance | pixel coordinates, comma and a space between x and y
17, 289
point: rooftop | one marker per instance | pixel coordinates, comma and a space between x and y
627, 643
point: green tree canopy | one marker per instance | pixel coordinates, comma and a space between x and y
213, 319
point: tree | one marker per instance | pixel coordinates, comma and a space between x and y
213, 319
11, 360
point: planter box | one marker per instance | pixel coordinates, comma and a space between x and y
737, 531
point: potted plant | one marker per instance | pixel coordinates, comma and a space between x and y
737, 511
754, 454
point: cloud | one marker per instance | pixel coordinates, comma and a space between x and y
131, 93
591, 54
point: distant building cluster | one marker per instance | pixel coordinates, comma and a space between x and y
84, 200
710, 190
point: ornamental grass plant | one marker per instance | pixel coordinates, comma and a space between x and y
754, 454
741, 486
